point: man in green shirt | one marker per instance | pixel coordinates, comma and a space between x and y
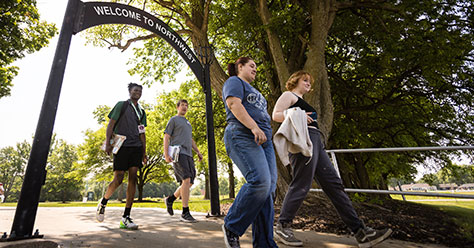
127, 118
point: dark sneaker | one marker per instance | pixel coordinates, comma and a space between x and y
169, 206
100, 213
127, 223
186, 217
368, 237
284, 234
231, 239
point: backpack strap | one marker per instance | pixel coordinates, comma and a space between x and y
122, 111
143, 116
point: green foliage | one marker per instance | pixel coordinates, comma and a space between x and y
63, 181
94, 161
401, 79
223, 186
159, 189
452, 173
13, 161
401, 74
21, 32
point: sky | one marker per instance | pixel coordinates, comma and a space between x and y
94, 76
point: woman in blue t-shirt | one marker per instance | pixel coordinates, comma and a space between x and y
248, 141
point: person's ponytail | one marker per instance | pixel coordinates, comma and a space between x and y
231, 69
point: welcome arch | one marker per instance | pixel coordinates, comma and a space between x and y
78, 17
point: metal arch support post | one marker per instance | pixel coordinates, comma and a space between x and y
35, 174
204, 53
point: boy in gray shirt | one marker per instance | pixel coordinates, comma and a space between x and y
179, 132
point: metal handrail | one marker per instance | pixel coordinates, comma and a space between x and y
401, 149
395, 149
395, 192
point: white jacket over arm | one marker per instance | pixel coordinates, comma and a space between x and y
293, 135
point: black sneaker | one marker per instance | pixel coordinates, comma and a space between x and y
231, 239
169, 206
187, 217
284, 234
368, 237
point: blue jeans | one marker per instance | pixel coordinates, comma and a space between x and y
254, 202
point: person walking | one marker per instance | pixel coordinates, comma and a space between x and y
2, 193
127, 118
248, 142
178, 132
318, 166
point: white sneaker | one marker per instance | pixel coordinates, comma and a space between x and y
100, 213
127, 223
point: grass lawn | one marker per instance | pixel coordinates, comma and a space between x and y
196, 204
418, 197
462, 210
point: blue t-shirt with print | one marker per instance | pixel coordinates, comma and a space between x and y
252, 100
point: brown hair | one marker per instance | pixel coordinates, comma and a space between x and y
232, 68
181, 101
295, 77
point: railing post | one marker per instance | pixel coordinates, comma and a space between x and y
400, 187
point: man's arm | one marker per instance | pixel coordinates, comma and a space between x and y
166, 144
195, 148
108, 136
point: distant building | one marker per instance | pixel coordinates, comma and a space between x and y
447, 186
418, 187
466, 186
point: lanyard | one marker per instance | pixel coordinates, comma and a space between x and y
136, 111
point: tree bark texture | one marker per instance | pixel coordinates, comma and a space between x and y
322, 16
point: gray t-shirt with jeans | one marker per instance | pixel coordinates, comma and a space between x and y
180, 130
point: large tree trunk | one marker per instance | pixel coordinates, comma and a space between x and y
322, 16
140, 192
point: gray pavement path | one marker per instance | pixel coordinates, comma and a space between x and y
76, 227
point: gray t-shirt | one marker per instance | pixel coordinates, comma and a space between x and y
180, 130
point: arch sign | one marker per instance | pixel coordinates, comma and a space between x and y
80, 16
98, 13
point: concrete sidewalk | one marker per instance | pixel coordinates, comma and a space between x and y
76, 227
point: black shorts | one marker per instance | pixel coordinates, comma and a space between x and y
128, 157
184, 168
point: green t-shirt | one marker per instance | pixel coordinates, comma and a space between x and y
128, 123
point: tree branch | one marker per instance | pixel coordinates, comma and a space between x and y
171, 5
366, 4
130, 41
